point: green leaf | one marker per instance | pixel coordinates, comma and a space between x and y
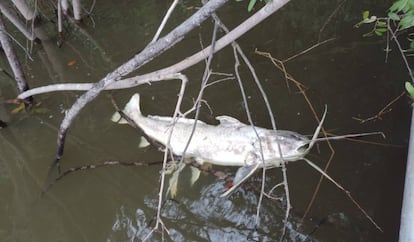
412, 44
381, 24
381, 30
369, 20
407, 21
398, 6
410, 89
251, 5
393, 16
406, 9
18, 109
365, 14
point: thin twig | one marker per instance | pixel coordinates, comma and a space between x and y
159, 221
150, 52
401, 52
330, 18
197, 106
279, 64
308, 49
346, 192
164, 20
250, 66
323, 172
249, 117
99, 165
384, 110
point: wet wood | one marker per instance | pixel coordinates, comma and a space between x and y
26, 10
13, 61
77, 10
14, 19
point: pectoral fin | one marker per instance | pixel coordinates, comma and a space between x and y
143, 142
195, 174
242, 174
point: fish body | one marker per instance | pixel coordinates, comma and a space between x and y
230, 143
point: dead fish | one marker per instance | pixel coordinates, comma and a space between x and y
230, 143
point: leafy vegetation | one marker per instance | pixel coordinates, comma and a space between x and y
399, 19
252, 3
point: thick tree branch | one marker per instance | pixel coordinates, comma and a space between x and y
14, 19
12, 59
150, 52
180, 66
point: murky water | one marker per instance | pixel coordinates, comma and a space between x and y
118, 203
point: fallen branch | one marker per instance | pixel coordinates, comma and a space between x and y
384, 110
153, 50
14, 19
150, 52
99, 165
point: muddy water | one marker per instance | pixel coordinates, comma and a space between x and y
118, 203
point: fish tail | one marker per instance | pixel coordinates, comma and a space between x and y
133, 106
132, 109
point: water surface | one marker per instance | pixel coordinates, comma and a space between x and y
118, 203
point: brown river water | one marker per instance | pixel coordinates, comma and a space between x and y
118, 203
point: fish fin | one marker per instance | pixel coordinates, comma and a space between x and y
116, 118
143, 142
227, 120
173, 182
242, 174
195, 174
131, 108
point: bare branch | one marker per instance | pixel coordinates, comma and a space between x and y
13, 61
77, 9
13, 18
164, 20
150, 52
27, 12
346, 192
401, 52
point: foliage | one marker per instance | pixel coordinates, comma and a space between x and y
410, 89
252, 3
403, 12
400, 17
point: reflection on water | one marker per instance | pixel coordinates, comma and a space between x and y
119, 203
212, 218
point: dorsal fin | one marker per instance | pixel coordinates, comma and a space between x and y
227, 120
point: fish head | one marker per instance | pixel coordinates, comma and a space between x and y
293, 146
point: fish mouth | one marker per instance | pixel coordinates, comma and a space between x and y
303, 148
